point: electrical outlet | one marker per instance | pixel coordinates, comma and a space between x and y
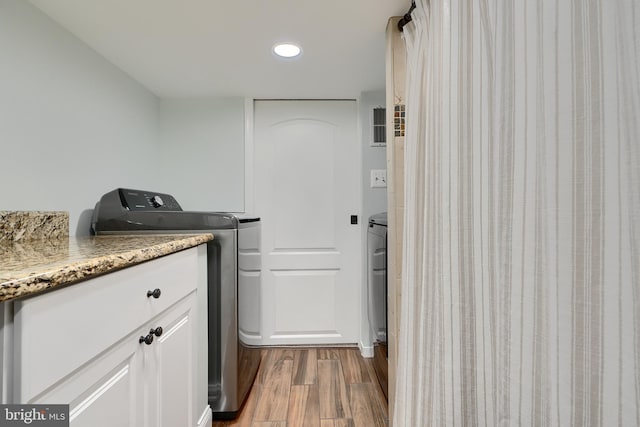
378, 178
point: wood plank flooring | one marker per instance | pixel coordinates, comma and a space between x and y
313, 387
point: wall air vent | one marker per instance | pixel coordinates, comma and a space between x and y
379, 127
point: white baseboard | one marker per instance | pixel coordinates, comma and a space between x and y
365, 351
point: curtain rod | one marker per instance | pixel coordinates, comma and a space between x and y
407, 17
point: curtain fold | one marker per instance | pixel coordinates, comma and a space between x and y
521, 272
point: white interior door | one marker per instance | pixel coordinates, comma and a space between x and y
306, 187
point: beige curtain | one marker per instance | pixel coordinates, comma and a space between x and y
520, 294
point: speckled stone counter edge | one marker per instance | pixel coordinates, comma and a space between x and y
28, 225
73, 272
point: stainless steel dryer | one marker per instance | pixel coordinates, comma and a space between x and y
234, 250
377, 294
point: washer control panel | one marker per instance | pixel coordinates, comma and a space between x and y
139, 200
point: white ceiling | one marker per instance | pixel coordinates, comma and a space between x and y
202, 48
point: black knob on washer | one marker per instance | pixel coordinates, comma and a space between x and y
157, 201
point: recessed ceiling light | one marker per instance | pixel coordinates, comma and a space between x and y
287, 50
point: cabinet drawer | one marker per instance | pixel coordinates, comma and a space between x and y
56, 333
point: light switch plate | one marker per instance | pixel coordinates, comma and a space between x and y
378, 178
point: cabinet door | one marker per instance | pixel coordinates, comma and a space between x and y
105, 393
170, 363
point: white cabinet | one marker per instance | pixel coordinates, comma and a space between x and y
85, 345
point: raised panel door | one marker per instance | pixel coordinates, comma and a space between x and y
170, 363
306, 187
113, 380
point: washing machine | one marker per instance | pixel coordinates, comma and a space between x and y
377, 294
233, 281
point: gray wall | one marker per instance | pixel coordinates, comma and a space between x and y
202, 150
374, 199
72, 126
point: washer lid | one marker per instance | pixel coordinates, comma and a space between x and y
378, 219
245, 217
165, 221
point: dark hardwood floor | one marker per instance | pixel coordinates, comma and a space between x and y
313, 387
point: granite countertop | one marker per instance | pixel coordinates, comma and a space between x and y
30, 267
